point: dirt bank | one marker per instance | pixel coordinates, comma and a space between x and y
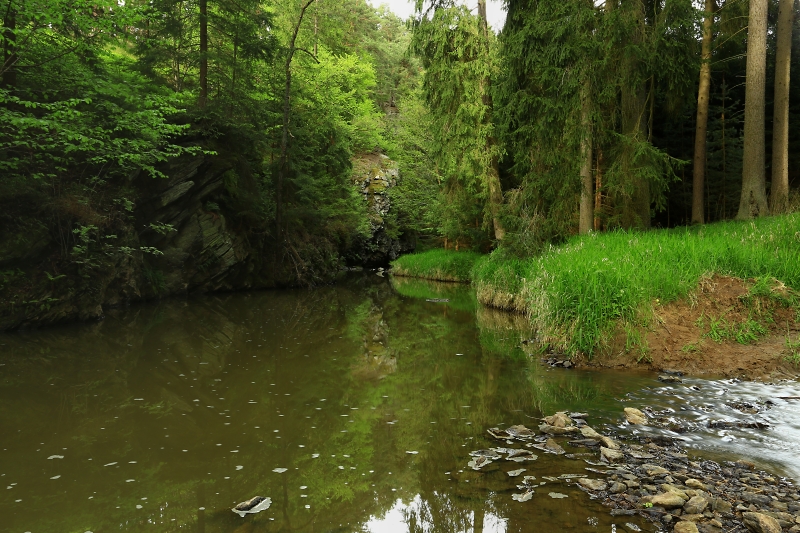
728, 327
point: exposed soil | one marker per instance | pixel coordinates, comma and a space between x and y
678, 336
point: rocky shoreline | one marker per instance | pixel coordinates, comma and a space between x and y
654, 478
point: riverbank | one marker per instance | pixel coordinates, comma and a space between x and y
716, 299
656, 478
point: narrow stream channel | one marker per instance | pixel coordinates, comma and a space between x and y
354, 408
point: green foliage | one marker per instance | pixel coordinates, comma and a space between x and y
444, 265
458, 66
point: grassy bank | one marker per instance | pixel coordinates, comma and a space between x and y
440, 265
576, 295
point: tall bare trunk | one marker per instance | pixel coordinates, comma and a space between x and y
586, 217
779, 195
494, 187
283, 164
753, 202
203, 53
699, 169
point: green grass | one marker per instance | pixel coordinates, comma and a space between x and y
441, 265
576, 294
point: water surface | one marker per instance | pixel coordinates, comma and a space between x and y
353, 407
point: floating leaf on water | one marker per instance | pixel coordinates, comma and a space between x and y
412, 452
314, 455
56, 457
632, 527
515, 473
129, 480
303, 487
280, 470
524, 497
56, 477
253, 505
111, 464
239, 467
557, 495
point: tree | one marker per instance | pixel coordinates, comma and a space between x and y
779, 194
455, 48
701, 129
753, 202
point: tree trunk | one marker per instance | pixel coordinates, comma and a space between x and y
586, 217
699, 169
283, 164
753, 202
494, 187
779, 195
203, 53
9, 71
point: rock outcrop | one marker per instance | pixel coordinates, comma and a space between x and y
374, 176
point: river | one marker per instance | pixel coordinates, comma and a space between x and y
353, 407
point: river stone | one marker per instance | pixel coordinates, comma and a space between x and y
553, 447
559, 420
635, 416
685, 527
721, 506
695, 505
609, 443
667, 500
611, 456
760, 523
666, 487
694, 483
654, 470
592, 484
618, 488
589, 433
779, 506
555, 430
752, 497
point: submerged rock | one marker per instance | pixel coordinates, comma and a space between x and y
252, 506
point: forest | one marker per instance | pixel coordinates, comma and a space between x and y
574, 117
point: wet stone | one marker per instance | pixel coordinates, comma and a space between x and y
667, 500
697, 504
685, 527
617, 488
611, 456
592, 484
760, 523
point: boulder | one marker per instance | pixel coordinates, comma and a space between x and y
694, 484
654, 470
609, 443
760, 523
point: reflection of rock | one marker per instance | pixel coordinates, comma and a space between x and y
375, 175
379, 360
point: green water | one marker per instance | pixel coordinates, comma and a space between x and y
165, 415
